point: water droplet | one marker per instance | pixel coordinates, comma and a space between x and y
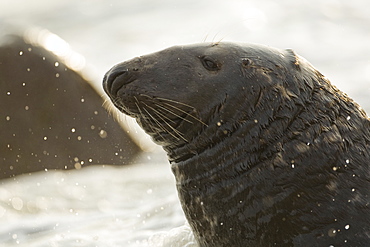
348, 118
20, 53
57, 75
73, 130
79, 138
23, 84
8, 93
335, 168
28, 69
90, 160
347, 161
17, 203
332, 232
7, 118
346, 227
82, 100
218, 123
45, 138
255, 121
96, 112
56, 64
149, 191
26, 107
353, 189
103, 134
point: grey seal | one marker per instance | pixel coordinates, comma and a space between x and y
265, 150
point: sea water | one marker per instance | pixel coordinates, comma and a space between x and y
133, 205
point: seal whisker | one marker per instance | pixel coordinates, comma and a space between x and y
163, 118
160, 125
174, 101
109, 106
181, 135
146, 120
177, 108
160, 113
173, 113
155, 121
190, 115
112, 111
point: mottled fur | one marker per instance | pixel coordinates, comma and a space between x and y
265, 151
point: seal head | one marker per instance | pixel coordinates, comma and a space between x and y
265, 151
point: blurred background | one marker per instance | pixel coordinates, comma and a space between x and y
332, 34
137, 205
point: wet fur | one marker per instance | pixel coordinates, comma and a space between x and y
265, 151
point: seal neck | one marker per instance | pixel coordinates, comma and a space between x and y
248, 141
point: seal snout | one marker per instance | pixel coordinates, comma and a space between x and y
114, 79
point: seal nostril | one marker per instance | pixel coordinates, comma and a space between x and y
111, 85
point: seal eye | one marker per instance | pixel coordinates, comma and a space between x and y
210, 64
